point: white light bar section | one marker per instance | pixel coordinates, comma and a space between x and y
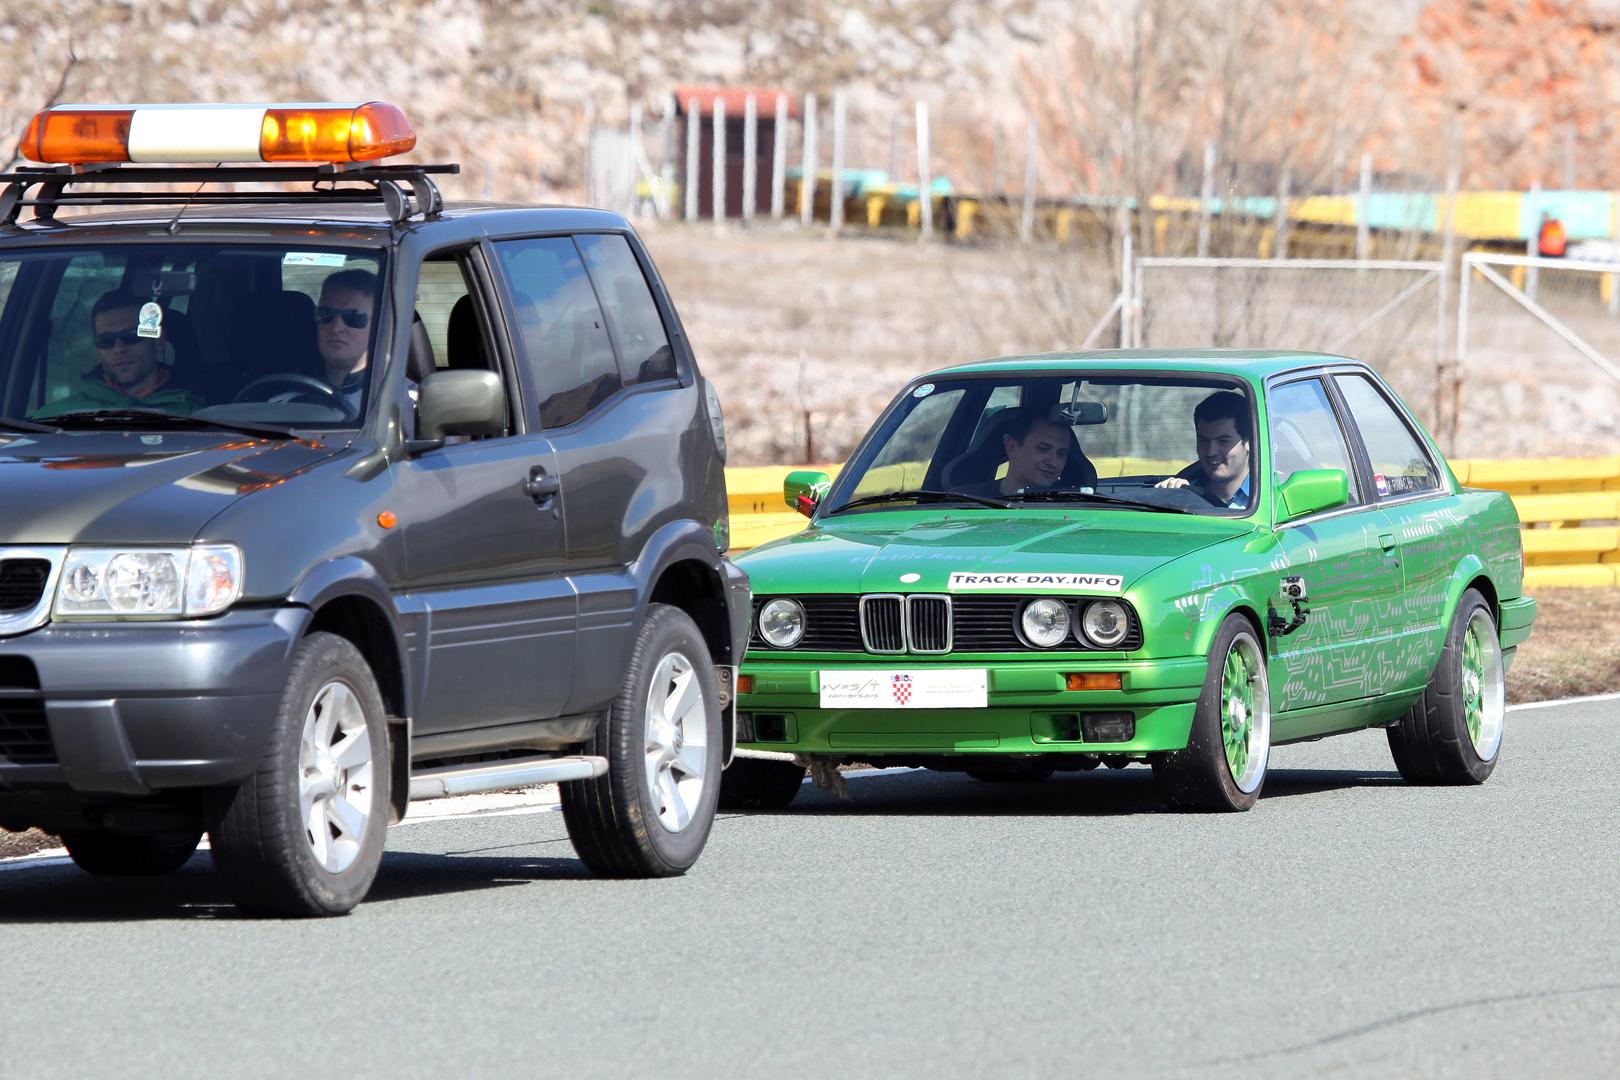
196, 133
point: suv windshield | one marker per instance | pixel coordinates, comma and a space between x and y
1175, 443
233, 334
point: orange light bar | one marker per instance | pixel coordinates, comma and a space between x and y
365, 133
325, 132
77, 136
1092, 680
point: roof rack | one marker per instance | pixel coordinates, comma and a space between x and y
386, 184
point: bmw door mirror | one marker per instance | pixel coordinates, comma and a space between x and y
1310, 491
804, 488
458, 402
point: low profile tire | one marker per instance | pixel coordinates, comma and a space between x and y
1453, 733
304, 835
649, 815
110, 853
1224, 763
1010, 774
758, 784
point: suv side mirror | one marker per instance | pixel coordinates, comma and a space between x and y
460, 402
803, 489
1308, 491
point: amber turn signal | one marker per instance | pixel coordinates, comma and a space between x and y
745, 684
387, 519
1092, 680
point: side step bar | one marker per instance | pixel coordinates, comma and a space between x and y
469, 779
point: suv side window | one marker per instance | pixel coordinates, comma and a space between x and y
632, 314
1400, 465
456, 331
562, 332
1305, 433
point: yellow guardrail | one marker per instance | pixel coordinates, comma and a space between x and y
1570, 508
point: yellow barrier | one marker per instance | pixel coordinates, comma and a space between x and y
1570, 508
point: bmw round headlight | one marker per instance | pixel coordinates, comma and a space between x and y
1045, 623
781, 623
1105, 623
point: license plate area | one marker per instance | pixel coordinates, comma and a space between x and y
904, 688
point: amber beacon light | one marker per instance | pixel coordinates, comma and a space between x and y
324, 132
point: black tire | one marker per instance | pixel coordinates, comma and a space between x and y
1010, 774
1431, 744
262, 846
613, 820
111, 853
1200, 777
758, 784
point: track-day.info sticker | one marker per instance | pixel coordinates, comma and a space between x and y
918, 688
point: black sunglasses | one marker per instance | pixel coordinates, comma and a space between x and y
108, 340
353, 318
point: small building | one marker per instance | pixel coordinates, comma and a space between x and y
697, 104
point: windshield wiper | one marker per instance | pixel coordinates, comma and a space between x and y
29, 426
158, 419
1060, 495
921, 495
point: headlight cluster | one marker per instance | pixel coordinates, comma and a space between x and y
149, 582
781, 623
1103, 625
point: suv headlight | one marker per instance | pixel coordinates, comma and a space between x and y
781, 623
152, 583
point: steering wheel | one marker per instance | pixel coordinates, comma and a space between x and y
292, 379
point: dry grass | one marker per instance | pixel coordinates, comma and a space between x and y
1574, 649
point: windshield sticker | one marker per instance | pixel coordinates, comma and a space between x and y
1381, 482
313, 258
1084, 583
924, 390
149, 323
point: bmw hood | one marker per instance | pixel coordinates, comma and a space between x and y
135, 487
1088, 552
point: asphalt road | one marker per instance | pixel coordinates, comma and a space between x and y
928, 926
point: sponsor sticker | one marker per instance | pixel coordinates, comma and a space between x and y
313, 258
917, 688
962, 581
1381, 482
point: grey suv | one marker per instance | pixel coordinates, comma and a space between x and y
323, 496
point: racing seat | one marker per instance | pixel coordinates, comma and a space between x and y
464, 342
979, 462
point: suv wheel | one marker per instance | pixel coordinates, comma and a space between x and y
649, 815
112, 853
304, 835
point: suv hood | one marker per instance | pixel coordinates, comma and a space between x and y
881, 552
100, 487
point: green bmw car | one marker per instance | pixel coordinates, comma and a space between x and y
1180, 559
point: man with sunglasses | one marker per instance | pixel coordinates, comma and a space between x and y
343, 331
131, 374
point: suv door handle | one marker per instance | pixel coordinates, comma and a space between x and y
541, 487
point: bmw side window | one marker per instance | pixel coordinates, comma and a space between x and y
631, 312
903, 461
1400, 466
1305, 433
560, 328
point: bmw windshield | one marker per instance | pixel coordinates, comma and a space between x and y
1170, 443
137, 335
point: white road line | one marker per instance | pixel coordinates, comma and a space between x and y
1563, 701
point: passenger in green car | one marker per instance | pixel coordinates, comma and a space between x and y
1221, 423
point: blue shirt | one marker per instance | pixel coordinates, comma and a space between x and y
1238, 501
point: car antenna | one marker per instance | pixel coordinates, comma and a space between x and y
173, 228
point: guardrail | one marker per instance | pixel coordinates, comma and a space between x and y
1570, 508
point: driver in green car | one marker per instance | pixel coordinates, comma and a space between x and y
130, 374
1037, 450
1221, 423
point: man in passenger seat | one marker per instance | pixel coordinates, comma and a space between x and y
131, 374
343, 331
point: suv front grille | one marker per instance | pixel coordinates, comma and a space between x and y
22, 583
